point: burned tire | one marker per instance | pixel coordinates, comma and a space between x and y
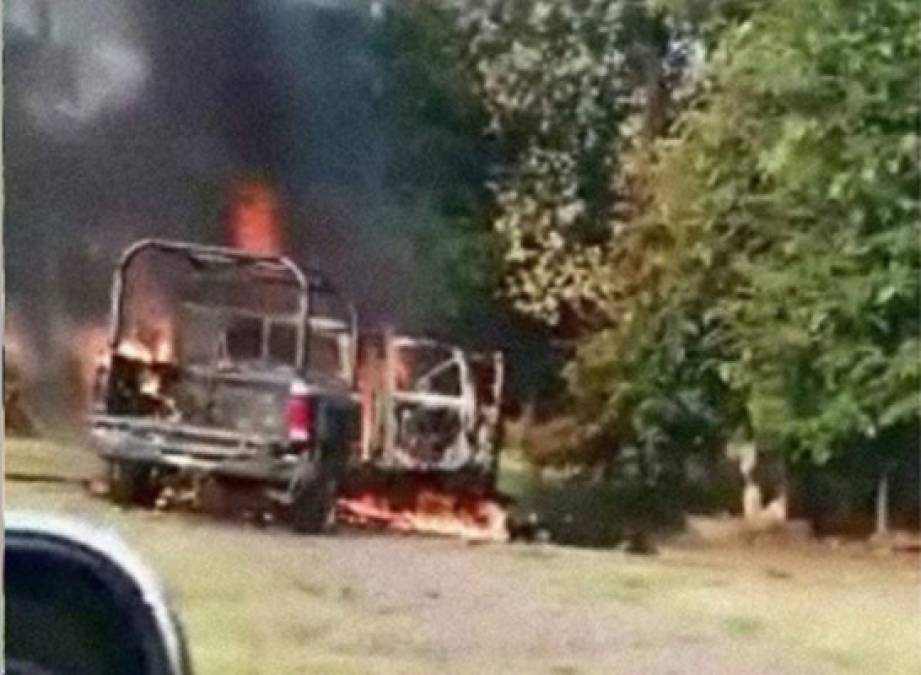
313, 501
132, 484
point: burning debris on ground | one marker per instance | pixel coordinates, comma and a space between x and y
426, 504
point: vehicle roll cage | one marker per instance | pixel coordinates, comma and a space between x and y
200, 255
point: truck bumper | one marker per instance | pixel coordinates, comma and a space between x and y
266, 464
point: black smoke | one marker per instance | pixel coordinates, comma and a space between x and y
126, 118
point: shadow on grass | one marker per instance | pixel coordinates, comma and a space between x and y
592, 514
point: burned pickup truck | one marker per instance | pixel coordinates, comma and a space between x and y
235, 366
245, 372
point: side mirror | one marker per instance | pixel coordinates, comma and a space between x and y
78, 601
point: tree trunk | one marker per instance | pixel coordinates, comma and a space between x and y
776, 510
746, 454
752, 504
882, 503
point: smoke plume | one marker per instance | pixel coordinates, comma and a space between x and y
129, 119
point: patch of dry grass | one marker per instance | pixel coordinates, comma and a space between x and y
251, 602
853, 615
267, 602
39, 458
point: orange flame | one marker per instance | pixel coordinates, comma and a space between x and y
91, 354
472, 519
134, 350
254, 218
151, 343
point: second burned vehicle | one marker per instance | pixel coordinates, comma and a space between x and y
431, 437
247, 372
430, 407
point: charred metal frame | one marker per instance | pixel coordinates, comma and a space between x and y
180, 444
307, 287
388, 454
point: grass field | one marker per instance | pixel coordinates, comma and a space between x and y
266, 601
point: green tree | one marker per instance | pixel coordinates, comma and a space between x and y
776, 254
560, 82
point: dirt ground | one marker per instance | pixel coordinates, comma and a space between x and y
263, 600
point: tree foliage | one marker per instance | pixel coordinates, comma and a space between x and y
714, 200
777, 249
559, 82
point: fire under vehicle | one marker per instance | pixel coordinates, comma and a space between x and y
430, 439
244, 370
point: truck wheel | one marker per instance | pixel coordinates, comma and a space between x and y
313, 502
132, 484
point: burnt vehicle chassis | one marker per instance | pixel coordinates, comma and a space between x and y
431, 412
246, 382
